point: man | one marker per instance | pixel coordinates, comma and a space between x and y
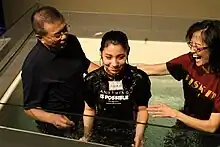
52, 74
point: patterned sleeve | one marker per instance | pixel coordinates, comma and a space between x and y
142, 91
178, 66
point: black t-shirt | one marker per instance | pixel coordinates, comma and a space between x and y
117, 97
53, 79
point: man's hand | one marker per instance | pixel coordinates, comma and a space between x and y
61, 121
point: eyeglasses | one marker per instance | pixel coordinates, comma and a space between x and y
195, 48
62, 32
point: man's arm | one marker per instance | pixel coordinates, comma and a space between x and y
60, 121
39, 114
92, 66
154, 69
88, 65
33, 91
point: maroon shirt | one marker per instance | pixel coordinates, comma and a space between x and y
201, 89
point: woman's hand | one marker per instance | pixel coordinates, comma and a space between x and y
138, 142
162, 110
84, 139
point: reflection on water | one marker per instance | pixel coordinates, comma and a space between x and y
164, 90
13, 116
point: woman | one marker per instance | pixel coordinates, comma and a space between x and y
199, 71
116, 91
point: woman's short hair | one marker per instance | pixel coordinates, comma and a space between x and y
210, 33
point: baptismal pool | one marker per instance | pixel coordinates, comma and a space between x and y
164, 90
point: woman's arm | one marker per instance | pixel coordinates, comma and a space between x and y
210, 125
142, 117
88, 120
154, 69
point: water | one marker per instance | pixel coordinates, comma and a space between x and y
164, 90
168, 91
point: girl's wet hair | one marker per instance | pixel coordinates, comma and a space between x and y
210, 33
115, 38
